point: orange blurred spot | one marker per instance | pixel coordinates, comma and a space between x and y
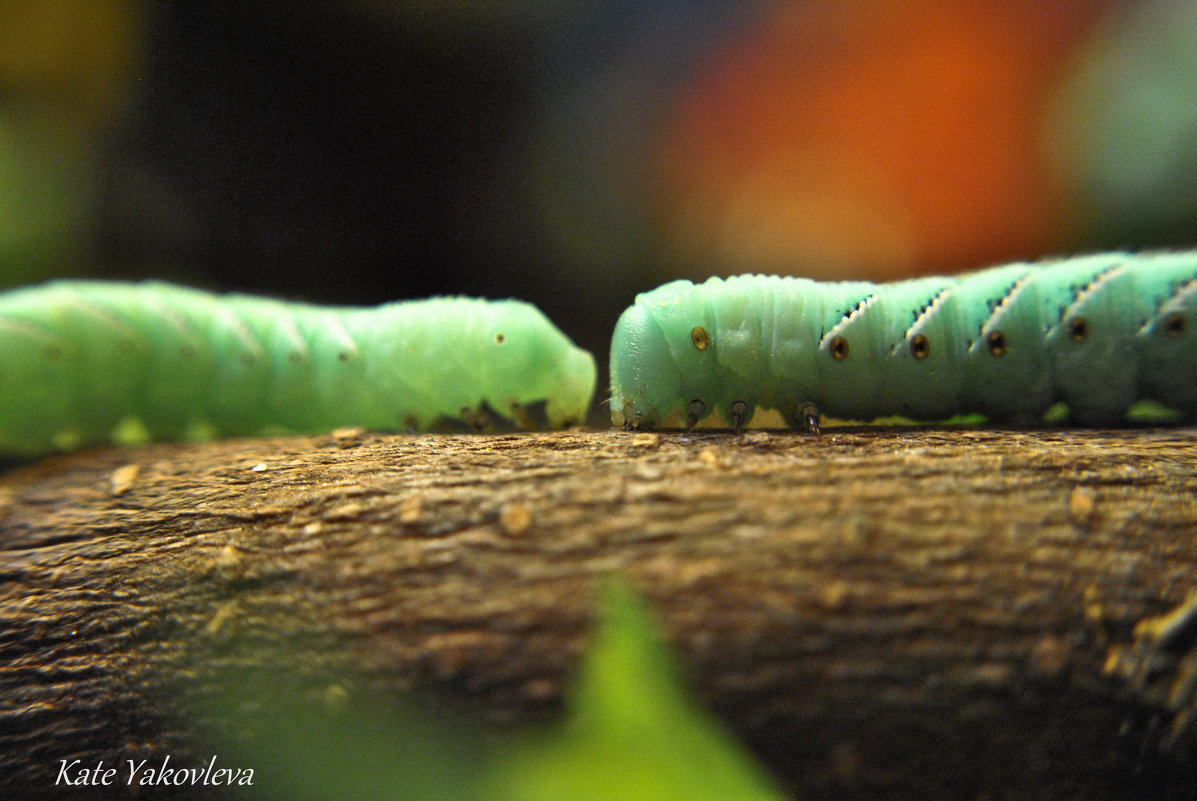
872, 139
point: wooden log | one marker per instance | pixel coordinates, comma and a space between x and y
918, 613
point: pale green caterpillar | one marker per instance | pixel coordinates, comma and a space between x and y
1098, 333
84, 362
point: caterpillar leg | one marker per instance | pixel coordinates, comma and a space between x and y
697, 411
809, 413
739, 414
802, 416
522, 418
477, 420
635, 422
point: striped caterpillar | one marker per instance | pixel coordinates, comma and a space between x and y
80, 361
1098, 333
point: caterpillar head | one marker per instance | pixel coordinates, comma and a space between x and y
644, 377
529, 360
575, 376
660, 355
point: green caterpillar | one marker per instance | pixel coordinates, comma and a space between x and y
1098, 332
84, 362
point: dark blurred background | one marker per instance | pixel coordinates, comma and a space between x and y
574, 152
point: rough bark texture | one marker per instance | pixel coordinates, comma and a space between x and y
878, 613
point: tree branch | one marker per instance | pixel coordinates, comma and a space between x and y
915, 613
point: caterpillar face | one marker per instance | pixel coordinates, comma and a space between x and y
645, 380
1098, 333
523, 359
656, 358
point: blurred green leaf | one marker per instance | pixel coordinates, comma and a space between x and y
1123, 131
44, 206
632, 732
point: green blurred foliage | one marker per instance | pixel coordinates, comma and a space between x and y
66, 77
44, 207
1123, 131
631, 731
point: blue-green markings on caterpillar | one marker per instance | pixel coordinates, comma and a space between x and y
88, 362
1099, 333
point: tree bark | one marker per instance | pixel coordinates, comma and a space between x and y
919, 613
